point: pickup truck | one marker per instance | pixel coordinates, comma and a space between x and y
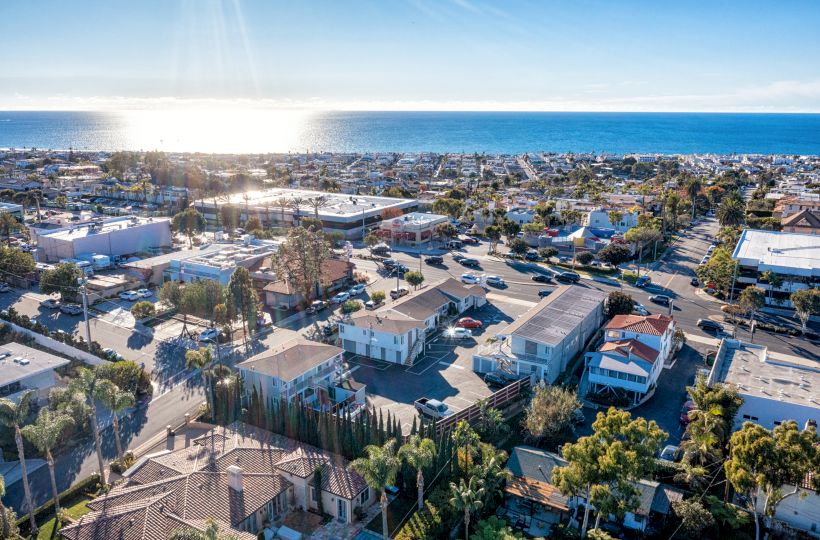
432, 407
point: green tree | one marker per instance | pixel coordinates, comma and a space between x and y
143, 309
729, 236
493, 233
518, 246
731, 213
300, 258
603, 466
642, 237
619, 303
446, 231
243, 300
615, 217
91, 388
773, 280
671, 207
419, 453
491, 424
584, 258
465, 440
695, 519
510, 229
494, 528
229, 216
467, 498
203, 359
762, 462
414, 278
377, 296
719, 270
548, 416
63, 279
8, 529
8, 224
351, 306
44, 434
751, 299
615, 254
693, 188
379, 470
371, 240
190, 223
14, 416
806, 303
448, 207
117, 401
547, 253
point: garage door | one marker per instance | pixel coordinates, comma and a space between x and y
349, 345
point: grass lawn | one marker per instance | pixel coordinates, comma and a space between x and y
397, 509
75, 508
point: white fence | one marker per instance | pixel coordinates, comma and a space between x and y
59, 347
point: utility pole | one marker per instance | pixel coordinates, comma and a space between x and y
84, 293
732, 289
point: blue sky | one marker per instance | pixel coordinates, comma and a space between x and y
415, 54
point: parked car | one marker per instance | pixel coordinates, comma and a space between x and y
432, 407
434, 259
694, 282
371, 304
470, 240
710, 325
356, 290
468, 262
398, 293
209, 334
469, 322
145, 293
390, 263
129, 295
643, 281
458, 257
316, 306
4, 287
50, 303
340, 298
639, 309
459, 333
71, 309
496, 281
543, 293
499, 379
112, 354
542, 278
532, 256
469, 279
670, 452
660, 299
568, 277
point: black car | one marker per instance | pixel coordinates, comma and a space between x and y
544, 293
660, 299
708, 324
390, 263
542, 278
458, 257
568, 277
499, 379
694, 282
468, 262
532, 256
434, 259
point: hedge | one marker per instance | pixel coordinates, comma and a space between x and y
45, 512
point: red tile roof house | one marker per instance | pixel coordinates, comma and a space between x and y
632, 355
240, 476
336, 275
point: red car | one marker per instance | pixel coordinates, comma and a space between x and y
467, 322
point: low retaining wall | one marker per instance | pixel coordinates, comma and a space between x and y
59, 347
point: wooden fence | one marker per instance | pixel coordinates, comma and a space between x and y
497, 400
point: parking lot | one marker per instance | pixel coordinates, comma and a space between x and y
443, 372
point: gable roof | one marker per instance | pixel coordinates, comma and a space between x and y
654, 325
811, 220
627, 347
421, 305
456, 289
532, 476
391, 323
291, 359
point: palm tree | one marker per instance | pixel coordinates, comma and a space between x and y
379, 470
92, 388
13, 415
7, 224
44, 434
211, 532
731, 212
117, 401
493, 475
203, 359
419, 454
693, 188
296, 203
317, 203
467, 497
774, 280
6, 530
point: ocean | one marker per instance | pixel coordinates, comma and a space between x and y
262, 131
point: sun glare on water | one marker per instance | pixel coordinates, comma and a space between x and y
216, 130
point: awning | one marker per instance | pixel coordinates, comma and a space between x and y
537, 491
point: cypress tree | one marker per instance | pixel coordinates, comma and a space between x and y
380, 433
413, 428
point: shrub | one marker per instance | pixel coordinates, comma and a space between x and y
351, 306
584, 258
629, 276
377, 296
121, 465
89, 485
422, 525
143, 310
618, 303
127, 375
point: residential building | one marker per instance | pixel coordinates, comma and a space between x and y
397, 332
803, 222
15, 210
656, 331
774, 387
794, 257
799, 511
522, 216
599, 218
544, 340
413, 229
277, 207
245, 478
301, 369
23, 368
336, 274
125, 235
788, 206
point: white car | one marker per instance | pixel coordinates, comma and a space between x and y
50, 303
145, 293
4, 287
339, 298
469, 279
459, 333
356, 290
209, 335
112, 354
496, 281
640, 309
71, 309
129, 295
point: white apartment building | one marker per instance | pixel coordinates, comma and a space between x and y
599, 218
543, 340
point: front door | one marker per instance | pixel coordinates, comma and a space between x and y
342, 510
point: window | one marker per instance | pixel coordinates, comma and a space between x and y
530, 347
752, 418
365, 495
314, 494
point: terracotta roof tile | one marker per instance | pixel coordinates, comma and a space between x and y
654, 325
630, 346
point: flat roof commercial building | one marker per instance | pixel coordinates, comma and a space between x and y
774, 388
124, 235
794, 257
275, 207
219, 265
411, 229
23, 368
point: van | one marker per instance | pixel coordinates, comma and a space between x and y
454, 244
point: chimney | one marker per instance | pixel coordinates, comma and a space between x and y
235, 478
